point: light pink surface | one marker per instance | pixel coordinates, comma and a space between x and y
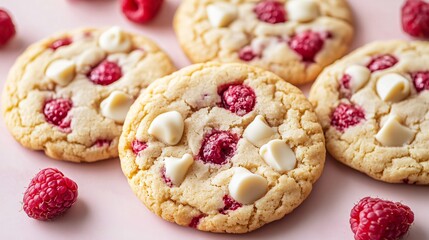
107, 208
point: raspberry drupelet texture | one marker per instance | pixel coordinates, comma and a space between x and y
138, 146
271, 11
374, 218
60, 43
7, 28
415, 18
421, 80
229, 205
346, 115
239, 99
49, 195
105, 73
218, 147
56, 112
382, 62
246, 54
307, 44
141, 11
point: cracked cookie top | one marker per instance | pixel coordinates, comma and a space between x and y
68, 94
373, 106
295, 39
222, 147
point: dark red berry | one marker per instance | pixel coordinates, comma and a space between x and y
246, 54
271, 11
239, 99
105, 73
7, 28
141, 11
229, 205
218, 147
138, 146
196, 220
307, 44
60, 43
415, 18
346, 115
382, 62
421, 80
56, 112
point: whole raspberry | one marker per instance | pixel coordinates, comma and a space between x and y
49, 195
229, 204
374, 218
239, 99
138, 146
307, 44
270, 11
382, 62
7, 28
141, 11
56, 112
60, 43
246, 54
105, 73
346, 115
415, 18
421, 80
218, 147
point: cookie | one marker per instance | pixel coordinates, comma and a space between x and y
222, 147
373, 106
295, 39
68, 94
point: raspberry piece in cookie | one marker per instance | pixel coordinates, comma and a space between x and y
138, 146
271, 11
60, 43
307, 44
218, 147
247, 54
56, 112
239, 99
346, 115
415, 18
382, 62
229, 205
7, 28
105, 73
421, 80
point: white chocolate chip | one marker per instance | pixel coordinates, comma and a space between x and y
61, 71
90, 57
258, 132
393, 87
394, 134
114, 40
168, 127
278, 155
221, 14
359, 76
302, 10
116, 106
176, 168
246, 187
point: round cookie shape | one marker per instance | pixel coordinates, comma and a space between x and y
373, 107
295, 39
216, 177
68, 94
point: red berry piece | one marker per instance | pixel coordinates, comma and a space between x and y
346, 115
60, 43
49, 195
165, 178
271, 12
415, 18
102, 143
345, 86
230, 204
56, 112
382, 62
246, 54
105, 73
7, 28
141, 11
374, 218
239, 99
218, 147
138, 146
421, 80
307, 44
196, 220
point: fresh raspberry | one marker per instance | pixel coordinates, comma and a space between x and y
7, 28
196, 220
239, 99
218, 147
60, 43
382, 62
141, 11
138, 146
56, 112
49, 195
270, 11
102, 143
165, 178
374, 218
415, 18
105, 73
307, 44
346, 115
230, 204
246, 54
421, 80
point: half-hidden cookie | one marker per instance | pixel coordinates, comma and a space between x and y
295, 39
222, 147
373, 106
68, 94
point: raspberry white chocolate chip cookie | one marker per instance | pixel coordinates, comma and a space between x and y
69, 94
295, 39
222, 147
373, 106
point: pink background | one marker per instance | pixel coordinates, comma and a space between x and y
107, 208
